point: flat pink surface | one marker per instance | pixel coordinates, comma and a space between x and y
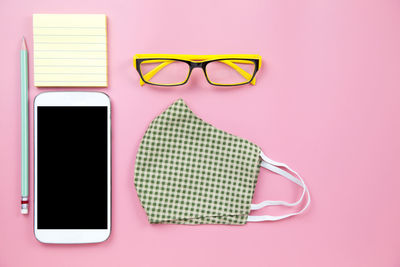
326, 102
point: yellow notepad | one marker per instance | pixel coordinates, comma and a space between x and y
70, 50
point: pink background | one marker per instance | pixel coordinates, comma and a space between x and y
326, 102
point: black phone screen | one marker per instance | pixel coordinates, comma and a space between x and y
72, 167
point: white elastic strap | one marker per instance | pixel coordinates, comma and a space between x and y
277, 167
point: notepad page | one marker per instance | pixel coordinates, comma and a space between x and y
70, 50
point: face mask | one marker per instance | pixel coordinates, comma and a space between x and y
189, 172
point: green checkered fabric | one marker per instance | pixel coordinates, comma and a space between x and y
189, 172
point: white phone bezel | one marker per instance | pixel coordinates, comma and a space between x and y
73, 236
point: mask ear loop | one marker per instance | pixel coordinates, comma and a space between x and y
278, 168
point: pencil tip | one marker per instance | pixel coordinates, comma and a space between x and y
23, 47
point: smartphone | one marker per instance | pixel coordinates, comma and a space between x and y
72, 200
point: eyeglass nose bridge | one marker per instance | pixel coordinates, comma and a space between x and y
194, 65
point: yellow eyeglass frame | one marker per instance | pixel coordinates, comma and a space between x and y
197, 61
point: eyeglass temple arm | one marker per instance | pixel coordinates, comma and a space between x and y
165, 63
153, 72
241, 71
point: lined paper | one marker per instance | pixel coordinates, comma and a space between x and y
70, 50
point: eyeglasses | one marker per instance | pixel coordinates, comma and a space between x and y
173, 70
